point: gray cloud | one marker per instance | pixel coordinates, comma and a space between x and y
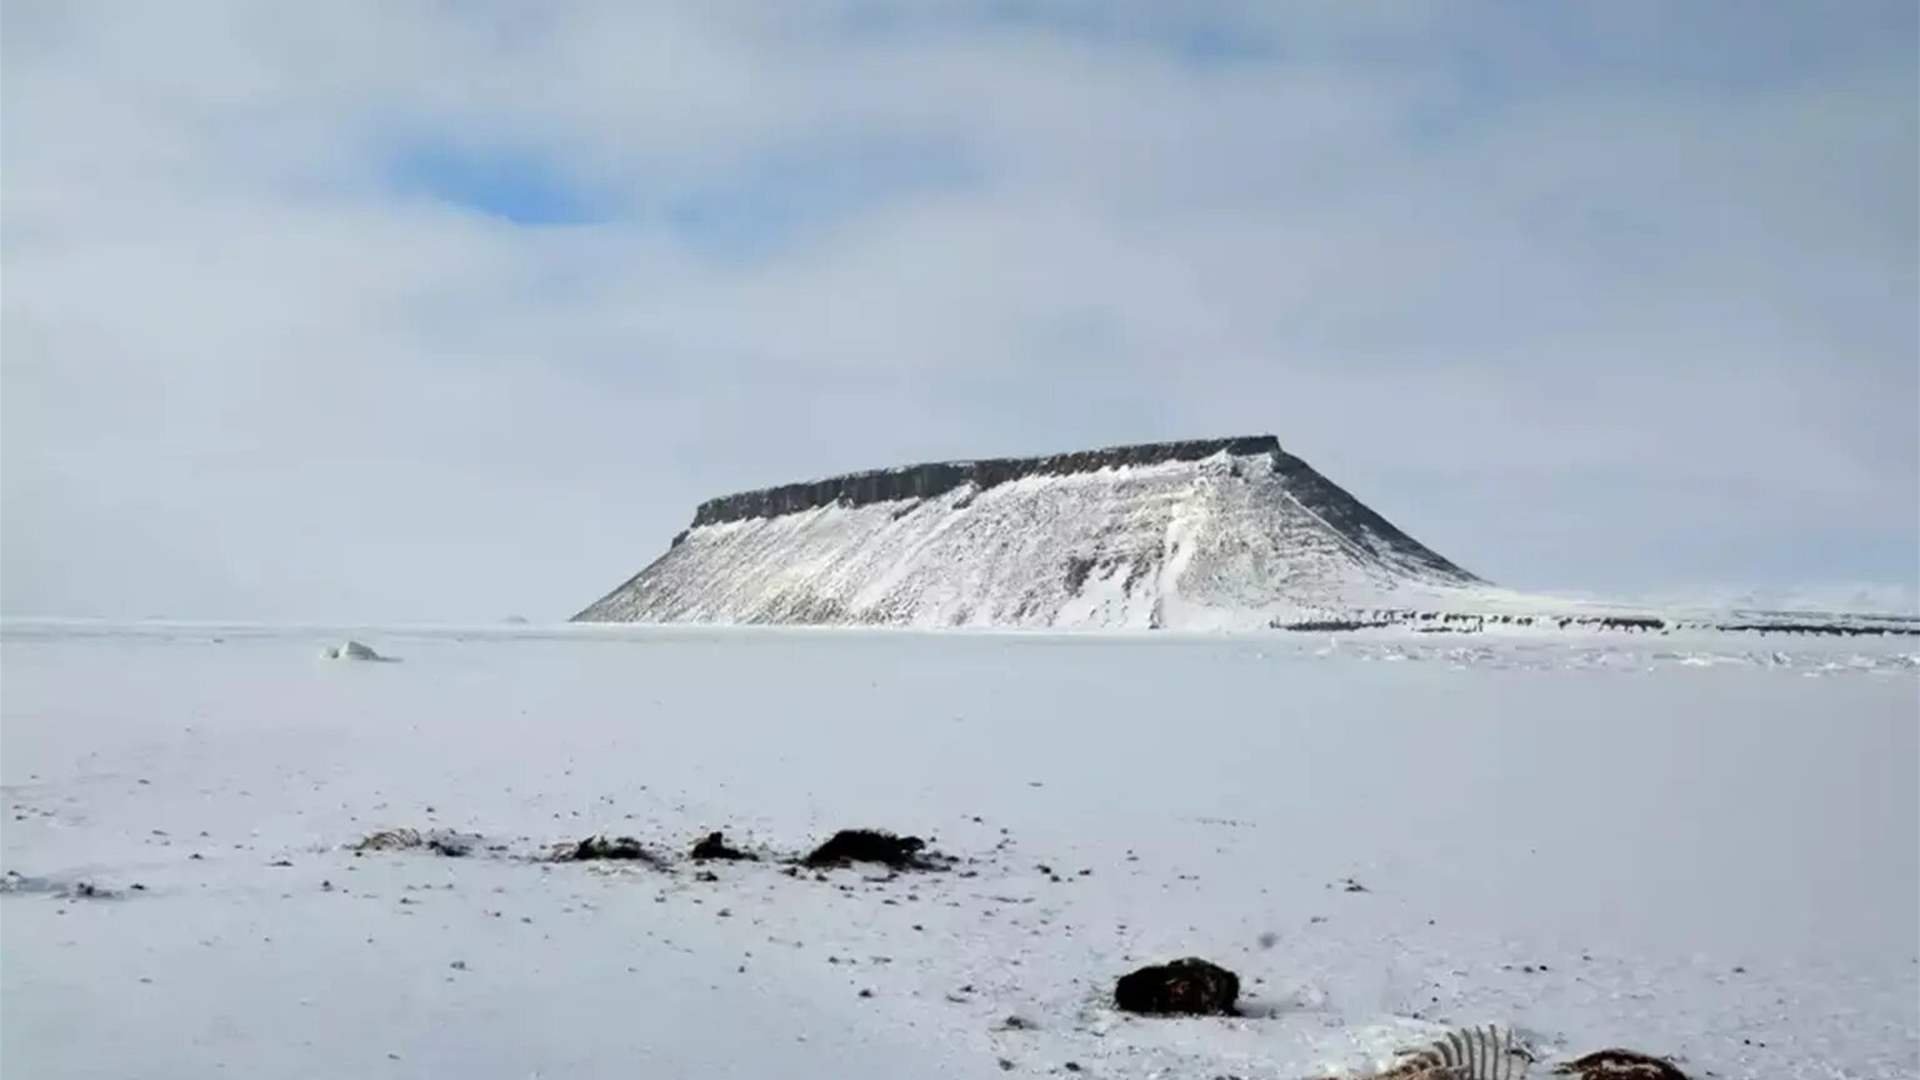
1592, 300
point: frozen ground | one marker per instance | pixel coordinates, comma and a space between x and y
1700, 847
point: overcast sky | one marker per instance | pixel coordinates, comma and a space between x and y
445, 311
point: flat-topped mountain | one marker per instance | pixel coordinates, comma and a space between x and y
1218, 532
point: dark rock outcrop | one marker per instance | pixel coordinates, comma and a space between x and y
872, 846
1186, 987
939, 477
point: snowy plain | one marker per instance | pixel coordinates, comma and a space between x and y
1702, 846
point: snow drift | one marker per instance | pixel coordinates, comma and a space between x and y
1221, 532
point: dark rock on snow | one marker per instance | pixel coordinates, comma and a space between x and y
715, 847
871, 846
599, 847
1187, 987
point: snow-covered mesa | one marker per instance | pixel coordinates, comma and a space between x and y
1210, 534
1218, 533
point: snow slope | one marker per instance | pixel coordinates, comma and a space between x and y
1186, 535
1700, 846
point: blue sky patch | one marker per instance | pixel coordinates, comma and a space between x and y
519, 186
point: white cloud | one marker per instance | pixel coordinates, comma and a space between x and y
1575, 314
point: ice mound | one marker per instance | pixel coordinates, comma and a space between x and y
353, 650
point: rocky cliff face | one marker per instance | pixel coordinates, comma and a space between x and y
938, 478
1215, 532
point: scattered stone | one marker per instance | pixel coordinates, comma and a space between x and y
715, 847
1620, 1065
1185, 987
873, 846
599, 847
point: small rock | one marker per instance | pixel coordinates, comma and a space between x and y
1185, 987
872, 846
714, 846
624, 848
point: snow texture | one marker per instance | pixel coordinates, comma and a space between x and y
1685, 845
